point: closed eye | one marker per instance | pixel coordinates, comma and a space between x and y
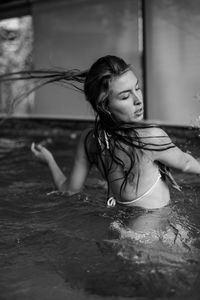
125, 96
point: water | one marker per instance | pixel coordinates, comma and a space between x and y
57, 247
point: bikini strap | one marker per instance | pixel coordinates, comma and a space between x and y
143, 195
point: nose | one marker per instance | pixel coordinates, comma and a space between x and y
137, 101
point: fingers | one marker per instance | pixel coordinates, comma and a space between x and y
35, 148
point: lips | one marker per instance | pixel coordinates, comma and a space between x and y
139, 112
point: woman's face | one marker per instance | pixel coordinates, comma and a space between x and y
125, 100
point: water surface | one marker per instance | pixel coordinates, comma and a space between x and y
54, 246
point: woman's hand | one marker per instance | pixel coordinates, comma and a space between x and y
41, 153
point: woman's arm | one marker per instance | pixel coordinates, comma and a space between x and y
74, 183
173, 157
45, 156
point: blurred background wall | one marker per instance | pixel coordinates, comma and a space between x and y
73, 34
160, 38
173, 61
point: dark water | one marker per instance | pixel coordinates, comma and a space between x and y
58, 247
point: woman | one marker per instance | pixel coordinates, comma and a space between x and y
133, 158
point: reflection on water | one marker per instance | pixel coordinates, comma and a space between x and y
58, 247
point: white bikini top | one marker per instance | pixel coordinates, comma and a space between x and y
111, 202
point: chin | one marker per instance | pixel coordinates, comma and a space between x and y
141, 118
138, 118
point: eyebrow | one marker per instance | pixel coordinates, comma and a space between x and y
122, 92
129, 90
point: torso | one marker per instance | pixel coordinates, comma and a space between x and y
139, 183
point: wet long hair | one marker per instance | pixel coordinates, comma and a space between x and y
110, 135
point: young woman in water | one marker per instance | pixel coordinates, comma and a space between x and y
133, 157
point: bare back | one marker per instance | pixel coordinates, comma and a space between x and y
142, 177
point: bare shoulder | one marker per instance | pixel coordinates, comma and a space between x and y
83, 146
86, 133
152, 132
86, 140
154, 136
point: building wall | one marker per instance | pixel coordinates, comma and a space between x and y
173, 61
73, 34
